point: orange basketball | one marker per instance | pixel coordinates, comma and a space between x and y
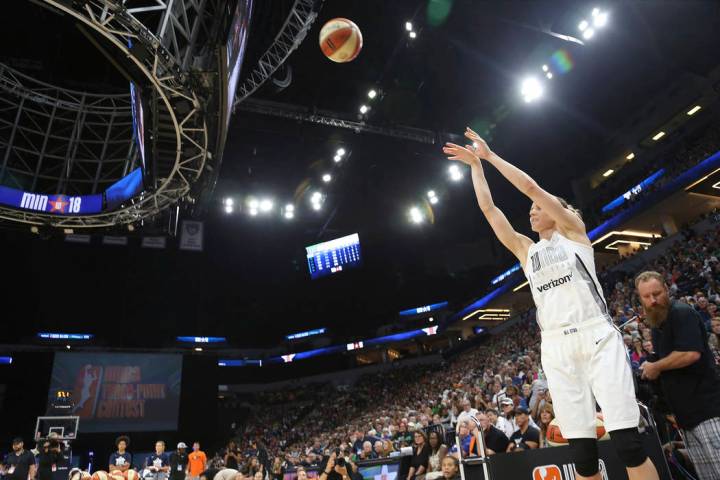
555, 438
340, 40
100, 475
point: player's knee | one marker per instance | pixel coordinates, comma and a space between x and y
628, 446
585, 455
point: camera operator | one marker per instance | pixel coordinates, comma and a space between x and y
685, 370
339, 466
49, 457
20, 463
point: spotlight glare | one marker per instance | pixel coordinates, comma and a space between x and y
600, 20
289, 207
531, 89
595, 12
289, 214
630, 156
408, 26
549, 75
228, 209
326, 178
545, 68
364, 109
316, 197
198, 349
416, 215
413, 35
341, 151
316, 206
253, 204
266, 205
431, 194
608, 173
229, 202
583, 25
337, 158
658, 136
433, 200
67, 346
455, 173
694, 110
253, 212
588, 33
372, 94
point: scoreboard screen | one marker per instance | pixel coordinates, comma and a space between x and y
333, 256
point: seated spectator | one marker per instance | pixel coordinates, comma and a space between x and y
437, 452
714, 340
505, 421
157, 465
121, 460
547, 415
526, 437
379, 449
367, 452
525, 395
467, 411
450, 468
469, 444
421, 457
495, 440
638, 354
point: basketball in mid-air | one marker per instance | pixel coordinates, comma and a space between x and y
340, 40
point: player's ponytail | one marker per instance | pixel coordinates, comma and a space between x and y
565, 204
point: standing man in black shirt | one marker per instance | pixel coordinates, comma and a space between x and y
179, 463
20, 464
685, 369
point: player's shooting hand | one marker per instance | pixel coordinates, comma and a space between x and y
479, 147
462, 154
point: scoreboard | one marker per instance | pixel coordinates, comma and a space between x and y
333, 256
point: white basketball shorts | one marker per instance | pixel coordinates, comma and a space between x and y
585, 363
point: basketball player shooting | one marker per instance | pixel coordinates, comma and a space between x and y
583, 354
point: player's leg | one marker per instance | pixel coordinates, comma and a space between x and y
613, 387
573, 402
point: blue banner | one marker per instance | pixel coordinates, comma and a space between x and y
55, 204
120, 392
423, 309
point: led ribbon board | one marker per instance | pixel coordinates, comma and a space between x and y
55, 204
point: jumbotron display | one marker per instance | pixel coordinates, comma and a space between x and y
333, 256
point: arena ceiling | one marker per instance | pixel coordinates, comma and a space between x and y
463, 68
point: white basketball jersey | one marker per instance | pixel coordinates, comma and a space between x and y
561, 275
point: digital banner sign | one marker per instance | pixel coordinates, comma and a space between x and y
120, 392
55, 204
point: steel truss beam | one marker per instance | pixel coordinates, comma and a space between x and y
293, 32
77, 142
304, 114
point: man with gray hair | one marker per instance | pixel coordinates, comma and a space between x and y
685, 369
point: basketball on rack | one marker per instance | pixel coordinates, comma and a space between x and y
340, 40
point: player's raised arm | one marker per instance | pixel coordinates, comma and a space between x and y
517, 243
565, 218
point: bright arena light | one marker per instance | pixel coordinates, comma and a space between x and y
600, 20
431, 194
408, 26
316, 206
588, 33
549, 75
595, 12
413, 35
416, 215
608, 173
630, 156
266, 205
228, 209
316, 197
253, 204
582, 26
337, 158
326, 178
531, 89
455, 173
289, 207
340, 151
372, 94
229, 202
545, 68
694, 110
658, 136
253, 212
364, 109
289, 214
433, 200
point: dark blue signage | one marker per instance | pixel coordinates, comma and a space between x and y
55, 204
65, 336
423, 309
202, 339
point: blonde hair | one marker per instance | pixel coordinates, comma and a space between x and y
567, 205
647, 276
